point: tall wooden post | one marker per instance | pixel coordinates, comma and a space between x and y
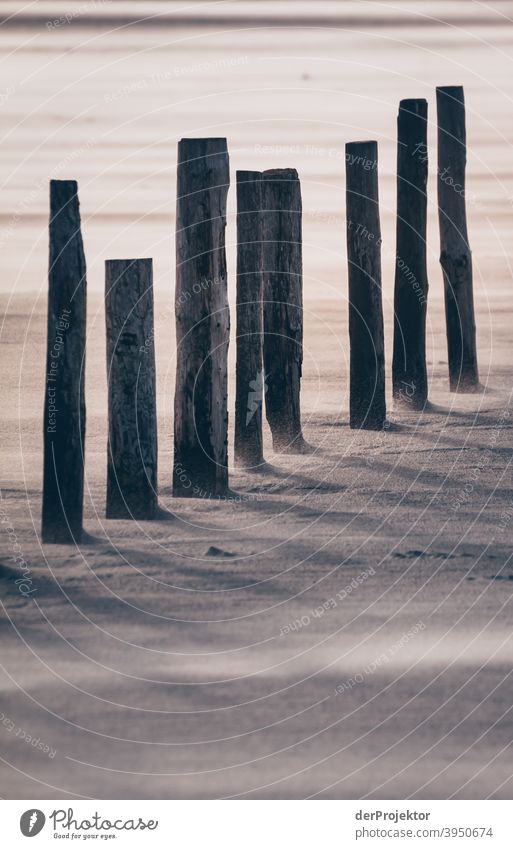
200, 466
409, 372
283, 307
64, 409
455, 255
132, 444
367, 355
250, 377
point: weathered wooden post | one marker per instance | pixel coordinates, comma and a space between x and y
367, 354
200, 468
250, 377
64, 409
283, 307
132, 442
455, 255
409, 372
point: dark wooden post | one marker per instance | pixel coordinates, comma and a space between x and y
455, 255
409, 372
200, 468
64, 413
367, 355
283, 307
132, 444
250, 378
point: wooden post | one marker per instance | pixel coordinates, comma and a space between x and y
64, 409
283, 307
409, 372
132, 443
250, 378
367, 355
455, 255
200, 468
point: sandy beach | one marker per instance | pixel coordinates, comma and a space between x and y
341, 627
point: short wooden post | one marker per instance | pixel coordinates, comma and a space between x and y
250, 377
132, 441
283, 307
455, 255
64, 409
409, 372
367, 354
200, 468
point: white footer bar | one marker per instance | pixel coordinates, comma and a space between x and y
259, 824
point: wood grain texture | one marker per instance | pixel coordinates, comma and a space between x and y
455, 254
132, 440
367, 408
409, 372
283, 307
64, 408
250, 378
200, 467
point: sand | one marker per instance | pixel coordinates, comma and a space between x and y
154, 669
350, 633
